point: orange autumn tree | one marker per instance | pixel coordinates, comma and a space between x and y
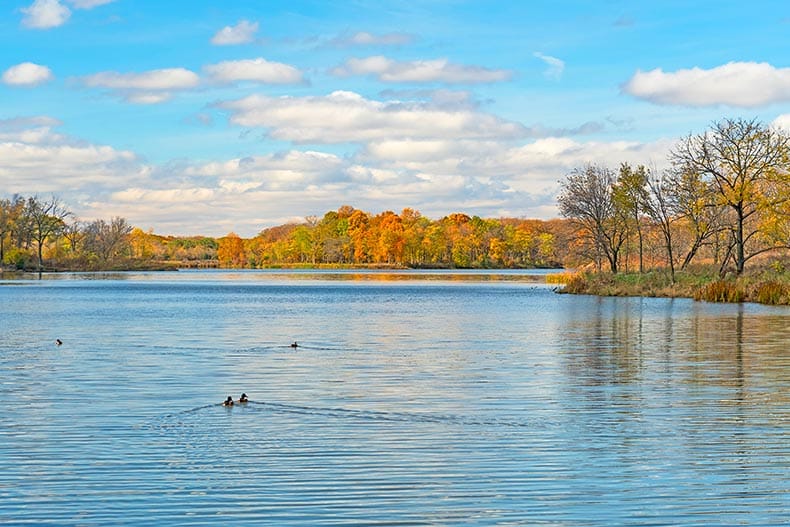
390, 241
231, 251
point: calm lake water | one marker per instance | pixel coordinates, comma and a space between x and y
412, 399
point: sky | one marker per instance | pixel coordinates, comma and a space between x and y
205, 117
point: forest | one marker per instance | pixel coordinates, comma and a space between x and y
723, 203
37, 233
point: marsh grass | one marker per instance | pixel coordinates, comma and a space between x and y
765, 285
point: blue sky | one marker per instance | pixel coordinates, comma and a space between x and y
205, 117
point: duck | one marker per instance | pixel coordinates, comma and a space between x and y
294, 345
243, 398
58, 342
228, 401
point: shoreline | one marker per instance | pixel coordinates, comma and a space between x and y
763, 286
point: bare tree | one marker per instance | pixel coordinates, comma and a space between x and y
658, 206
748, 166
586, 197
630, 194
107, 241
74, 233
694, 203
46, 219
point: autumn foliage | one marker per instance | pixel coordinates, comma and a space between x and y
351, 236
344, 237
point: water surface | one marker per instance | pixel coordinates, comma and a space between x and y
412, 399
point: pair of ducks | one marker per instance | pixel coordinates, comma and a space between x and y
229, 400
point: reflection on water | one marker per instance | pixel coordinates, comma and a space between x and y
277, 275
434, 400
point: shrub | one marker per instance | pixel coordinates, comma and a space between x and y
770, 292
559, 278
575, 283
720, 291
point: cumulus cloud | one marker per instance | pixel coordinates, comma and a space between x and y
439, 70
162, 79
31, 130
363, 38
241, 33
484, 177
45, 14
19, 123
255, 70
293, 170
348, 117
88, 4
743, 84
783, 121
148, 87
35, 159
555, 66
27, 74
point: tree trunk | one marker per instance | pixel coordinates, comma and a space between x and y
740, 259
641, 247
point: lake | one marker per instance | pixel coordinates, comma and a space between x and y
413, 398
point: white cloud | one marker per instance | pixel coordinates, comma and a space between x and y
348, 117
293, 170
31, 130
33, 159
45, 14
743, 84
246, 194
363, 38
142, 97
439, 70
256, 70
27, 74
88, 4
241, 33
783, 121
20, 123
162, 79
555, 66
149, 87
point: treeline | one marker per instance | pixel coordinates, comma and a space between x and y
351, 236
44, 235
725, 200
41, 234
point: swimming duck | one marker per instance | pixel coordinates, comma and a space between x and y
58, 342
294, 345
228, 401
243, 398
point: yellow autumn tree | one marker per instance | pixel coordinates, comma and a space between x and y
231, 251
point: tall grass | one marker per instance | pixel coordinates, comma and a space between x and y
720, 291
771, 292
765, 285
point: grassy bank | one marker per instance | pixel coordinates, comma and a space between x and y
770, 285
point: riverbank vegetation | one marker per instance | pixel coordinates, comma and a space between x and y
713, 226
